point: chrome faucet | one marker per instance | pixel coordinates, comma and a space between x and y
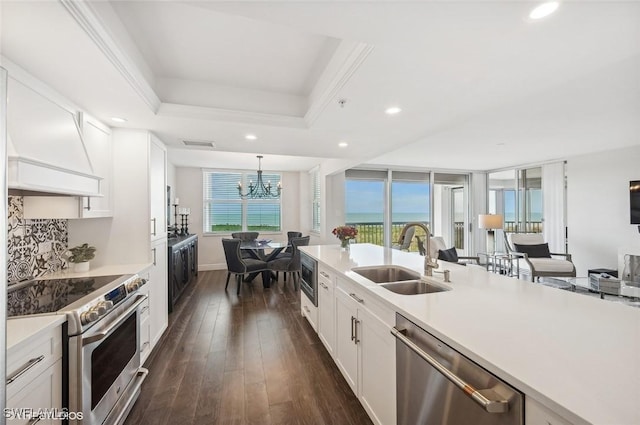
429, 264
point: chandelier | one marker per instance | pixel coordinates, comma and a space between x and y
260, 190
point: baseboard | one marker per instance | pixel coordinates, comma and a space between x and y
206, 267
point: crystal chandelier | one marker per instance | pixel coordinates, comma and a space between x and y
260, 190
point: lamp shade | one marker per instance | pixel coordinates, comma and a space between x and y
490, 221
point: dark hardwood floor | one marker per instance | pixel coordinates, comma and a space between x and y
251, 359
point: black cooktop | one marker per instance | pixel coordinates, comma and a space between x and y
51, 295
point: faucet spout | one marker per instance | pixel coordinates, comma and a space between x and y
429, 264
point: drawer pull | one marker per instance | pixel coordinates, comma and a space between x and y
143, 310
307, 309
324, 274
31, 363
144, 346
324, 286
357, 298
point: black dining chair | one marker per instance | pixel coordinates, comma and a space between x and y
290, 264
238, 265
291, 235
246, 237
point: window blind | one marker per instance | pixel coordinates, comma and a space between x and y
315, 202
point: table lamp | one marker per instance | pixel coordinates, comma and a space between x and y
490, 222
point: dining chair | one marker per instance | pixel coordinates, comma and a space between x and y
290, 264
246, 237
238, 265
291, 235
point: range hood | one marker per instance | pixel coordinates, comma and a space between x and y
45, 150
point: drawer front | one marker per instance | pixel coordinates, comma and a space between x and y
309, 311
145, 338
368, 300
31, 358
537, 414
44, 392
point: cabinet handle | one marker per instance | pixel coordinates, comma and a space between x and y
355, 322
357, 298
324, 286
88, 207
153, 233
324, 274
143, 310
307, 309
34, 421
353, 335
154, 256
31, 363
146, 344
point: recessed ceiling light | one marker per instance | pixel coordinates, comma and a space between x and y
251, 137
343, 144
392, 110
118, 119
543, 10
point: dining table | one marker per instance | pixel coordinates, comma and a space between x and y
256, 249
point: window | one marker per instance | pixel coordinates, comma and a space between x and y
224, 211
315, 202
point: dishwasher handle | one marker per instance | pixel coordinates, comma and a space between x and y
491, 406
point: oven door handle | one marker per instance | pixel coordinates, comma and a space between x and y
101, 335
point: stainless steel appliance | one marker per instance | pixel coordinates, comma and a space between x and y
438, 385
309, 280
102, 336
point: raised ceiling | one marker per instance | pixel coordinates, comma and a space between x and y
481, 87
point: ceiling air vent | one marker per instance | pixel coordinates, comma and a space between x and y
199, 144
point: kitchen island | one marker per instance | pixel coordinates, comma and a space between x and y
577, 356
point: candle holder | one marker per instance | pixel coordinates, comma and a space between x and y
184, 231
176, 230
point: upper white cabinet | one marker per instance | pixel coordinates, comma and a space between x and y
97, 142
157, 188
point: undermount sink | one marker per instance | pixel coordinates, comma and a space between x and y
413, 287
386, 274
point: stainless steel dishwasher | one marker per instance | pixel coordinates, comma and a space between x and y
436, 385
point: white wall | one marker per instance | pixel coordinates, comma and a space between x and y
598, 207
188, 186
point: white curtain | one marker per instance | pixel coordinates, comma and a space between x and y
553, 199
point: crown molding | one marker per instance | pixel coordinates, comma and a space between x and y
342, 66
91, 24
202, 112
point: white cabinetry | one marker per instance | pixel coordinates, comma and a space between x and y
309, 311
365, 350
97, 142
327, 309
157, 188
158, 303
34, 375
537, 414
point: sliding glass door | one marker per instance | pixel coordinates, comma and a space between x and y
365, 205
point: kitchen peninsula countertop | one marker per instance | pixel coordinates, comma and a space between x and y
577, 355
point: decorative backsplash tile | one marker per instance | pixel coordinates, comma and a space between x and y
35, 247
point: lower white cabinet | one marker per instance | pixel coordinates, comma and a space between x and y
537, 414
34, 378
327, 310
365, 353
158, 298
309, 311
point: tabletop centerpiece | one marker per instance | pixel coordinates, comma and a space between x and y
345, 234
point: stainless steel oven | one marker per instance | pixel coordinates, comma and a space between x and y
104, 365
309, 280
102, 336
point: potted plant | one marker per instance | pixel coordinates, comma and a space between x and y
80, 256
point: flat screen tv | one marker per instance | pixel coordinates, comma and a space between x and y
634, 197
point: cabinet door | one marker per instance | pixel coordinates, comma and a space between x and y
44, 392
326, 313
158, 310
346, 350
157, 189
537, 414
377, 368
97, 141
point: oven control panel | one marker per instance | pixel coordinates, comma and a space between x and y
135, 284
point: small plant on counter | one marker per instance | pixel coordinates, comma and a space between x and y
82, 253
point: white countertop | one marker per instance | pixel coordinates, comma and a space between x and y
578, 355
23, 328
100, 271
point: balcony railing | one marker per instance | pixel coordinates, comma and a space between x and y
374, 232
